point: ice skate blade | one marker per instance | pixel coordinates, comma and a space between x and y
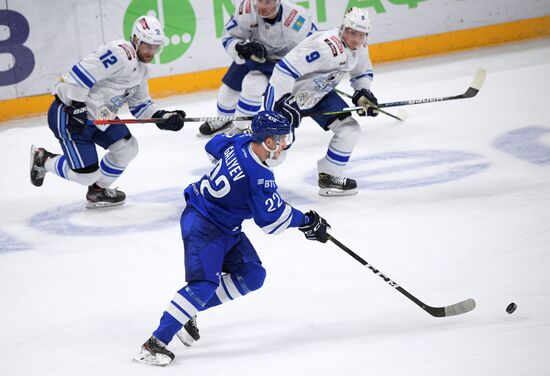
185, 338
333, 192
145, 357
100, 205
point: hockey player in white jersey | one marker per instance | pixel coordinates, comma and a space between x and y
96, 88
258, 35
303, 81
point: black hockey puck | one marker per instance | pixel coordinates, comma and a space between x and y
511, 308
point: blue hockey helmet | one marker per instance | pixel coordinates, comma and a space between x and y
269, 124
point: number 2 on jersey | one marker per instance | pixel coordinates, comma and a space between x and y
313, 56
274, 202
222, 186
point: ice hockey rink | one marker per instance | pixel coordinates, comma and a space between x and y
453, 204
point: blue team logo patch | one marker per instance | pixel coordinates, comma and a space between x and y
299, 23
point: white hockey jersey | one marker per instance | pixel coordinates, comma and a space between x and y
315, 67
292, 26
110, 77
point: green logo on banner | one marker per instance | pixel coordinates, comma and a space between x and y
178, 19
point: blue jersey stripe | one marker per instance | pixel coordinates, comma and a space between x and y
88, 74
140, 108
77, 80
226, 41
284, 67
85, 80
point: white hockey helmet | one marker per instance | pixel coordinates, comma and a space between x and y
357, 19
149, 30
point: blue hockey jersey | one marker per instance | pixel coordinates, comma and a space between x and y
240, 187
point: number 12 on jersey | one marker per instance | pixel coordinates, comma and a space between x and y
108, 59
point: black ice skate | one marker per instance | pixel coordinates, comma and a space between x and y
334, 186
189, 333
104, 197
154, 352
209, 127
38, 159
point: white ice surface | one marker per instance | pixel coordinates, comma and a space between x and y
453, 204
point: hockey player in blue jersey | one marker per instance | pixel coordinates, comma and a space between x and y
220, 262
96, 88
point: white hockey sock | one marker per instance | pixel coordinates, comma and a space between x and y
346, 135
59, 166
227, 290
115, 161
227, 101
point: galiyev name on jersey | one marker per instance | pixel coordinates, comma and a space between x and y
240, 187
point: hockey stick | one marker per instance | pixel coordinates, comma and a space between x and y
402, 118
212, 118
471, 92
451, 310
161, 120
473, 89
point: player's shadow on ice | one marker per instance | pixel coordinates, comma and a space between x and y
229, 342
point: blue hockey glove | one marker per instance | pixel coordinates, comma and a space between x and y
174, 120
315, 227
365, 98
288, 107
77, 117
251, 50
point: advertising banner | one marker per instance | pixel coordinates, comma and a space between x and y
39, 40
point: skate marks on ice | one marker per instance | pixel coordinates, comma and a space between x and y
144, 212
9, 243
147, 211
416, 168
531, 144
409, 169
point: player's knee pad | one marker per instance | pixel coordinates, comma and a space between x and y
346, 133
227, 100
253, 86
251, 275
123, 151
